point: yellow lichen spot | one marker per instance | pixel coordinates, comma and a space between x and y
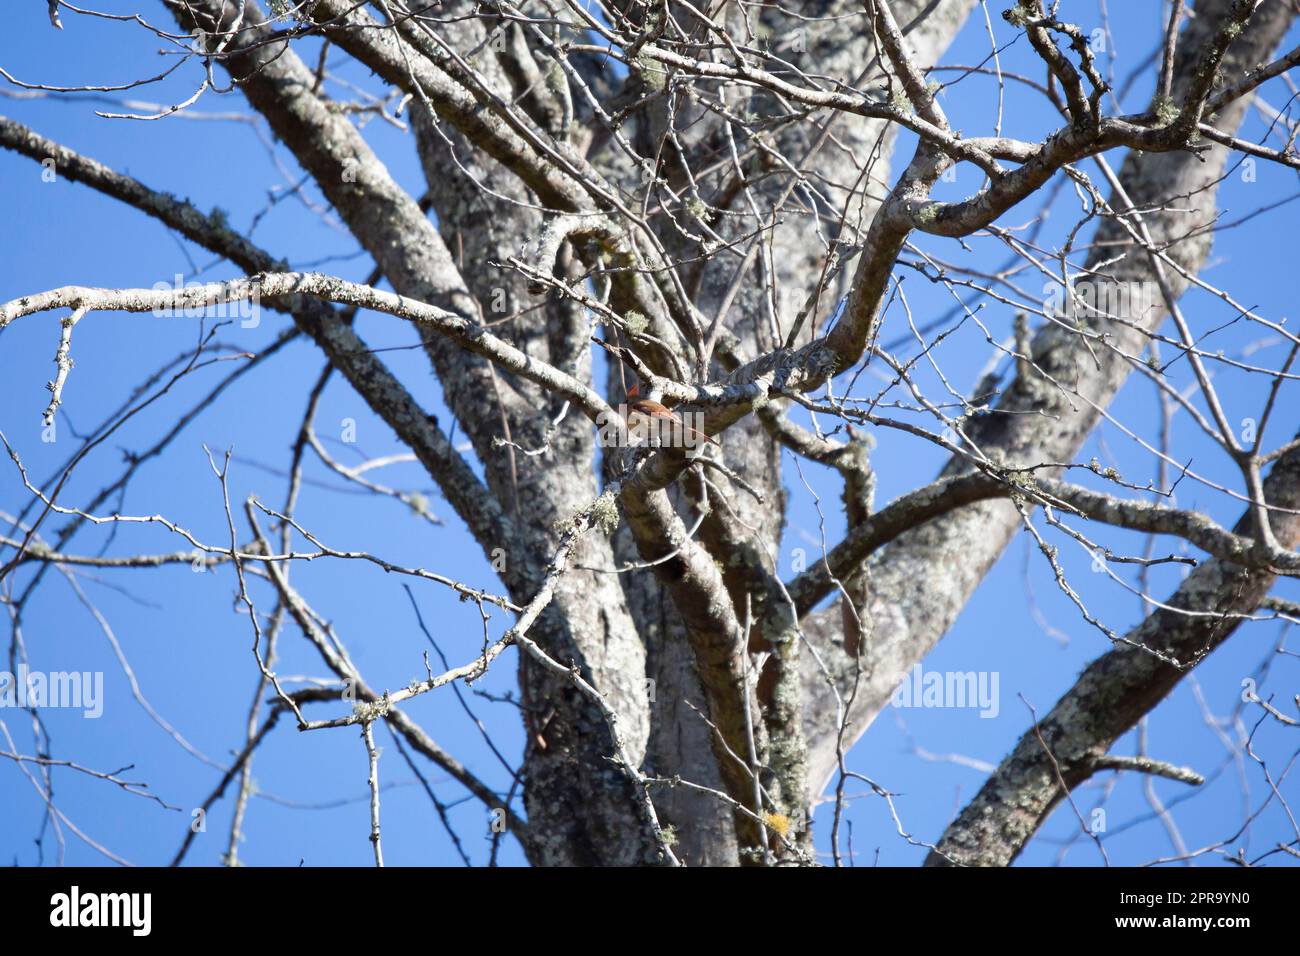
778, 823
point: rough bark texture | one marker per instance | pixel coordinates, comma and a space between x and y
1112, 694
681, 619
585, 811
920, 582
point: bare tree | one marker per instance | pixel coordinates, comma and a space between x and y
659, 252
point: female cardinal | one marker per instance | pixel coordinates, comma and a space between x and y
659, 413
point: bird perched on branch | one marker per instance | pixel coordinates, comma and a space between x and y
655, 412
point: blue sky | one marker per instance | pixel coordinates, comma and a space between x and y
189, 644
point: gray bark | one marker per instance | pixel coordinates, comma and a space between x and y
921, 581
502, 131
1113, 693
